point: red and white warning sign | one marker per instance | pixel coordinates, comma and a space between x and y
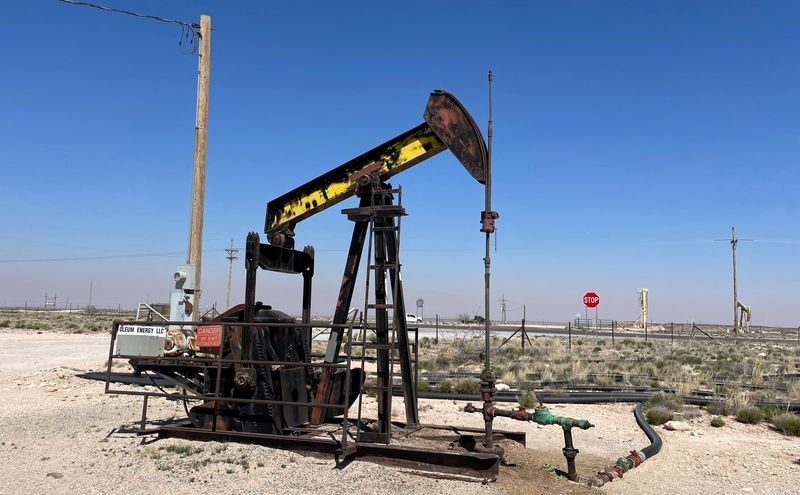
209, 336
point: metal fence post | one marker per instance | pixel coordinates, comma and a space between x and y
613, 327
645, 331
569, 333
436, 341
672, 333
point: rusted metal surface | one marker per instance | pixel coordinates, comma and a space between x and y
407, 376
285, 260
253, 368
484, 467
346, 290
216, 419
457, 129
333, 187
447, 125
516, 436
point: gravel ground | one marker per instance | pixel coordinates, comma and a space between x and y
61, 434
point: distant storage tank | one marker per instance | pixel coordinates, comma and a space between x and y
643, 310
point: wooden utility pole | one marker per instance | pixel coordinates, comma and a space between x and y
199, 174
736, 323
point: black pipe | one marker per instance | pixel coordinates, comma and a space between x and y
625, 464
570, 452
590, 398
544, 397
655, 440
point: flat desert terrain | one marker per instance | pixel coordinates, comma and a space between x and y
60, 434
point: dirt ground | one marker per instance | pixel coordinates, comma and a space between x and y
60, 434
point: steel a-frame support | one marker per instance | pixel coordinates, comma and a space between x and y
373, 198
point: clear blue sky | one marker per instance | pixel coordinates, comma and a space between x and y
628, 136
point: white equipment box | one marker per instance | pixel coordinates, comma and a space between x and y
140, 340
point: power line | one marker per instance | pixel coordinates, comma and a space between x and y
191, 31
109, 257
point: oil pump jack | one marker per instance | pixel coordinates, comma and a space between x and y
252, 368
447, 126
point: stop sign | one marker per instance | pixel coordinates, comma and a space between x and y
591, 300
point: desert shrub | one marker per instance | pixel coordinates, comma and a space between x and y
183, 450
5, 324
442, 361
603, 380
757, 372
718, 408
717, 422
467, 349
425, 342
787, 423
509, 354
596, 350
749, 414
770, 412
691, 413
528, 400
444, 386
423, 385
670, 402
658, 415
468, 386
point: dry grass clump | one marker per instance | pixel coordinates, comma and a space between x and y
757, 372
717, 422
719, 408
749, 415
444, 386
528, 400
793, 389
578, 372
468, 386
661, 407
787, 423
670, 402
658, 415
738, 399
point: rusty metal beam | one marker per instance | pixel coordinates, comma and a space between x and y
447, 125
471, 464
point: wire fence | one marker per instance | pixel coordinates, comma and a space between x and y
86, 309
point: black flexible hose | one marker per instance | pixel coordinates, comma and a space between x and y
655, 440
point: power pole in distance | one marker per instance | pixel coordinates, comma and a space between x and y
199, 173
737, 325
231, 257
